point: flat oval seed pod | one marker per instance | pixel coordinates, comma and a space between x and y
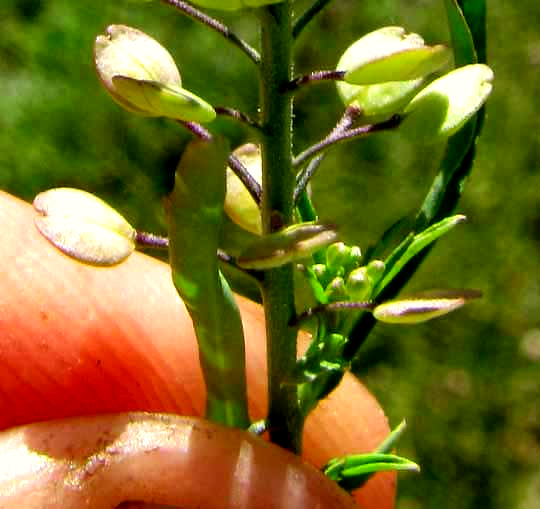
446, 104
126, 51
141, 75
67, 201
424, 306
380, 100
83, 226
391, 54
164, 100
239, 204
87, 242
290, 244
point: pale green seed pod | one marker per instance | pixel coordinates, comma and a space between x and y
239, 204
291, 244
142, 77
425, 306
391, 54
83, 226
446, 104
380, 101
385, 69
233, 5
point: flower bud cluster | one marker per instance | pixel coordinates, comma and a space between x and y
342, 277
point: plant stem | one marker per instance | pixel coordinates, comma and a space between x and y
302, 179
237, 115
343, 135
284, 417
235, 164
145, 239
313, 77
216, 25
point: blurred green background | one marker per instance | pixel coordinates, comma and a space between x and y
468, 384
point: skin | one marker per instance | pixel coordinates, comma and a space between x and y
81, 341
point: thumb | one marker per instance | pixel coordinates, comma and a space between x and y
79, 340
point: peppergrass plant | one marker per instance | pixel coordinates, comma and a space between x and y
388, 79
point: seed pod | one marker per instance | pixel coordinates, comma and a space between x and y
378, 102
446, 104
239, 204
425, 306
83, 226
290, 244
141, 76
391, 54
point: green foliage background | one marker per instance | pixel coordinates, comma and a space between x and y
468, 384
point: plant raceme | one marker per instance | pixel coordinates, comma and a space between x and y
382, 77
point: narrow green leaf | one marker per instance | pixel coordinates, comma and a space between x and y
390, 441
421, 240
441, 197
195, 213
392, 235
466, 19
352, 471
474, 12
462, 39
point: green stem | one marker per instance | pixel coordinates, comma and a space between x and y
216, 25
284, 418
